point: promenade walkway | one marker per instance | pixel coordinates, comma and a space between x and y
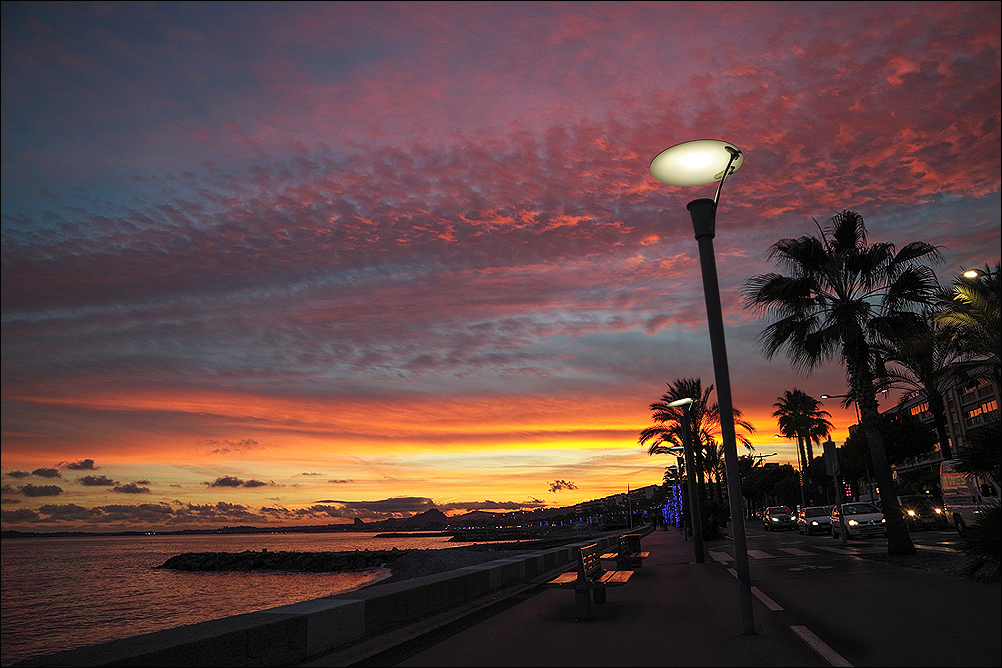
673, 612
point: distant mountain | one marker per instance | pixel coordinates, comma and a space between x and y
433, 518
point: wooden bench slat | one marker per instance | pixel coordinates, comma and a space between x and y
615, 577
590, 577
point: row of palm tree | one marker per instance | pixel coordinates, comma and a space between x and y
800, 416
667, 434
879, 311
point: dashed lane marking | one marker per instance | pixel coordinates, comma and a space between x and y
769, 603
831, 657
720, 557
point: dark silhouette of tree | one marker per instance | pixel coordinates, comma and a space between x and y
667, 430
919, 357
825, 309
800, 416
972, 309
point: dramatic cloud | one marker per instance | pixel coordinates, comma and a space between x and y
82, 465
96, 481
421, 249
131, 488
41, 490
226, 481
231, 481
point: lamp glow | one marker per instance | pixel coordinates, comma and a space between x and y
695, 163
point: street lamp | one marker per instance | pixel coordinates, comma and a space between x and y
844, 396
978, 273
695, 515
694, 163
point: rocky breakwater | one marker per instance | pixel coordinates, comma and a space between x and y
300, 562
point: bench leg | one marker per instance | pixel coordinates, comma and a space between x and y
600, 594
582, 603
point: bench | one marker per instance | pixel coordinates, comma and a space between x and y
587, 578
629, 554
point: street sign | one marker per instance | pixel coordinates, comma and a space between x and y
831, 458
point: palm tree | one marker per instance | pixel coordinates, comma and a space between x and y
838, 286
713, 461
973, 312
667, 430
800, 416
922, 352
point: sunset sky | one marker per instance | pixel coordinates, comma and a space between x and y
297, 263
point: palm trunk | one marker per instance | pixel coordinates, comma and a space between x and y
898, 540
939, 419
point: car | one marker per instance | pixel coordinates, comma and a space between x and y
862, 518
779, 517
966, 499
814, 519
921, 512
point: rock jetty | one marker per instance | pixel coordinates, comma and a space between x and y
300, 562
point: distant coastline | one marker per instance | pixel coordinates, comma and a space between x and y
332, 528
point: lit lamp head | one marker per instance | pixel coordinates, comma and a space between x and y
696, 163
680, 402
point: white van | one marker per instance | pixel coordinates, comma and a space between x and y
964, 499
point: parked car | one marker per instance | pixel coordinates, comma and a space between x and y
814, 519
964, 499
920, 512
862, 518
779, 517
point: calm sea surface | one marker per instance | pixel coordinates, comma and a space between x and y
61, 593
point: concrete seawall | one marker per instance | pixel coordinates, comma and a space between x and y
291, 634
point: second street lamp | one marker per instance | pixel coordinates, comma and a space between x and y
695, 499
693, 163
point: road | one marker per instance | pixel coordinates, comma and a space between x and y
869, 612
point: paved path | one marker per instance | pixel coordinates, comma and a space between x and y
673, 612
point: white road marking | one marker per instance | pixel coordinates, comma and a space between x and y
831, 657
769, 603
759, 554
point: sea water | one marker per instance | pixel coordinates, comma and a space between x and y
65, 592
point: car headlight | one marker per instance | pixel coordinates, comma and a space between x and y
814, 522
939, 511
774, 519
883, 519
853, 523
912, 513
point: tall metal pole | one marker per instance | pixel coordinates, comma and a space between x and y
703, 212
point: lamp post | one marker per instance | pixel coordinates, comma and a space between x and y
694, 163
695, 514
844, 396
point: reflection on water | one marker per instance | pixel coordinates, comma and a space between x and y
61, 593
